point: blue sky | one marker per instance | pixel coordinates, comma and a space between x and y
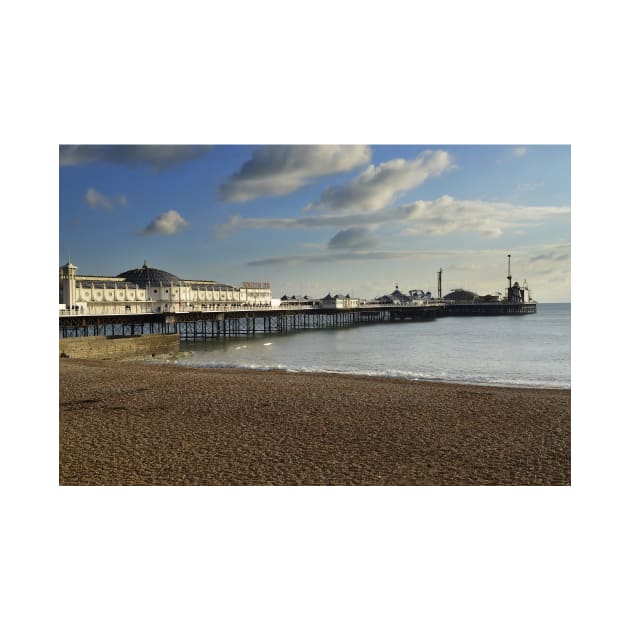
317, 218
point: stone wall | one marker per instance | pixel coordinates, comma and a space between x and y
118, 347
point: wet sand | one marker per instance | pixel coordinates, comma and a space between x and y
139, 424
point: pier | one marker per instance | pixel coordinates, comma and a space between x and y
147, 301
202, 325
492, 308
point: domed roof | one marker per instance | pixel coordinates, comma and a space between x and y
148, 275
460, 295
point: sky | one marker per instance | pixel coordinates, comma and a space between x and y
313, 219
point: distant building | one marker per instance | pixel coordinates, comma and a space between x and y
339, 301
328, 301
461, 296
517, 293
397, 297
419, 295
490, 297
149, 290
298, 300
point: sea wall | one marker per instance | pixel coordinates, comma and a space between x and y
118, 347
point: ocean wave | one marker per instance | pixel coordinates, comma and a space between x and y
462, 379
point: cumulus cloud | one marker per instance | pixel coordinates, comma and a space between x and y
378, 186
96, 199
167, 223
354, 238
156, 157
280, 170
441, 216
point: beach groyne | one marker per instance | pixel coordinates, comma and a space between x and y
103, 347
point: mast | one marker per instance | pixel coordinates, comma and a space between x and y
509, 276
439, 275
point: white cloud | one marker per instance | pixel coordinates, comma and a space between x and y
442, 216
96, 199
519, 151
378, 186
280, 170
446, 215
167, 223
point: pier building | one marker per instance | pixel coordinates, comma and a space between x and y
516, 301
415, 296
329, 301
150, 290
298, 300
339, 301
461, 296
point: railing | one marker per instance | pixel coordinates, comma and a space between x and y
121, 310
115, 310
226, 308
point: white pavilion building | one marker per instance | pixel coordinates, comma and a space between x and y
149, 290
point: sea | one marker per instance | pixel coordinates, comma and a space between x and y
520, 351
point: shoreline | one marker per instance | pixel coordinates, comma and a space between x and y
174, 364
140, 423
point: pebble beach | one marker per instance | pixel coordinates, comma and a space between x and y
130, 423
